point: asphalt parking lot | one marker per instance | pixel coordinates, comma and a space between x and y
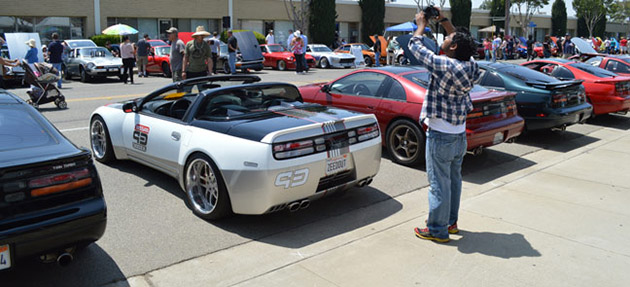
150, 227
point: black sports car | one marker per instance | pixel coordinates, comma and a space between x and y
51, 200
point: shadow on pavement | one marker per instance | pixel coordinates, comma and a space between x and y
92, 266
556, 141
152, 176
619, 122
295, 230
495, 244
490, 165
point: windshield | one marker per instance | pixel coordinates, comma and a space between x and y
627, 60
422, 79
363, 46
79, 44
95, 52
249, 101
275, 48
157, 43
527, 75
19, 129
163, 51
595, 71
321, 49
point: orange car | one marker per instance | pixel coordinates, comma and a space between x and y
368, 54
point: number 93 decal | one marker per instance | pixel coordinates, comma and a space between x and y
292, 178
140, 137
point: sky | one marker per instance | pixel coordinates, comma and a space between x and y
476, 3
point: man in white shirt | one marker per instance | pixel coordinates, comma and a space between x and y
215, 45
270, 38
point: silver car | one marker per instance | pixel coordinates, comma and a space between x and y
326, 58
92, 62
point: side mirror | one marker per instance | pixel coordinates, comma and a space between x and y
129, 107
325, 89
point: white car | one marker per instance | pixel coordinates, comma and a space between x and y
326, 58
239, 146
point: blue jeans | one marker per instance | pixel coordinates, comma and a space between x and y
58, 67
487, 52
494, 55
304, 65
444, 157
377, 59
232, 62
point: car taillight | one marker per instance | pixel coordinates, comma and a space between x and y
559, 100
622, 88
59, 182
293, 149
367, 132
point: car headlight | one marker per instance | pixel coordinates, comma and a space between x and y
90, 66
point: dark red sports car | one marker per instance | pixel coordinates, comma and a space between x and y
277, 57
160, 61
618, 64
395, 95
605, 90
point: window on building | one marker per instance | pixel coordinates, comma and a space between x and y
66, 27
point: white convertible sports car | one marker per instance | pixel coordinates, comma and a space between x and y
236, 145
326, 58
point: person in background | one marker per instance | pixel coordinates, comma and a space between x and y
304, 43
392, 46
6, 62
143, 55
197, 56
496, 44
215, 47
297, 44
623, 45
377, 50
510, 47
289, 39
530, 48
232, 48
343, 41
55, 49
569, 48
127, 53
547, 46
111, 49
446, 105
177, 53
31, 54
270, 39
45, 53
559, 45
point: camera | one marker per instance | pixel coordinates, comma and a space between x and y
430, 12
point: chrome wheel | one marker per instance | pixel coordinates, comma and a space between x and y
202, 187
99, 139
323, 63
282, 65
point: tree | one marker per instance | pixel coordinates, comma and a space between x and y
322, 18
497, 10
524, 10
298, 14
620, 12
460, 12
559, 18
372, 18
592, 11
485, 5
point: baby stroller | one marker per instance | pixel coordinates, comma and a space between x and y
42, 77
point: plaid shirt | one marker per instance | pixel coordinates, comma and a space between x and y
451, 80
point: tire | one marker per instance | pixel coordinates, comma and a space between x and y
66, 74
200, 168
102, 149
405, 143
323, 63
226, 67
166, 69
281, 65
84, 76
61, 104
368, 61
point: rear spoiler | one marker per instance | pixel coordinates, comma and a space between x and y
557, 85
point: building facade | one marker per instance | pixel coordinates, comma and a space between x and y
74, 19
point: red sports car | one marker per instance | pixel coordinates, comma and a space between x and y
277, 57
160, 61
618, 64
395, 95
605, 90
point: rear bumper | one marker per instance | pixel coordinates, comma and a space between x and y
254, 65
490, 134
56, 229
560, 118
612, 105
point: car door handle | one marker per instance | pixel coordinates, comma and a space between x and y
176, 136
370, 107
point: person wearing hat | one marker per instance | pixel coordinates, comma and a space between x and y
232, 47
177, 53
31, 54
296, 47
197, 56
270, 39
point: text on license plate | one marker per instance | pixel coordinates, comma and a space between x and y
337, 164
498, 138
5, 257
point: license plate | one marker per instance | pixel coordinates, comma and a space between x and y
498, 138
5, 257
337, 164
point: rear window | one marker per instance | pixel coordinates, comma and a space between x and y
20, 129
595, 71
422, 79
527, 74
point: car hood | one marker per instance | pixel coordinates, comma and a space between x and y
257, 128
103, 60
279, 54
332, 55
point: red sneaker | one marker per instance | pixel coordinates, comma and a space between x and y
425, 234
451, 229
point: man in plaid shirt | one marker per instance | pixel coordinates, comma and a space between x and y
444, 111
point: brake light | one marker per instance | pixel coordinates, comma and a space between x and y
367, 132
622, 88
293, 149
59, 182
559, 100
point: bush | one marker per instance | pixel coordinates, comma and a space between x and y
259, 37
100, 40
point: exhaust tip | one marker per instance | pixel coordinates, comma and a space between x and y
294, 206
65, 259
305, 204
477, 151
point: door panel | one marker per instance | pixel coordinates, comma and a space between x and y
361, 92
